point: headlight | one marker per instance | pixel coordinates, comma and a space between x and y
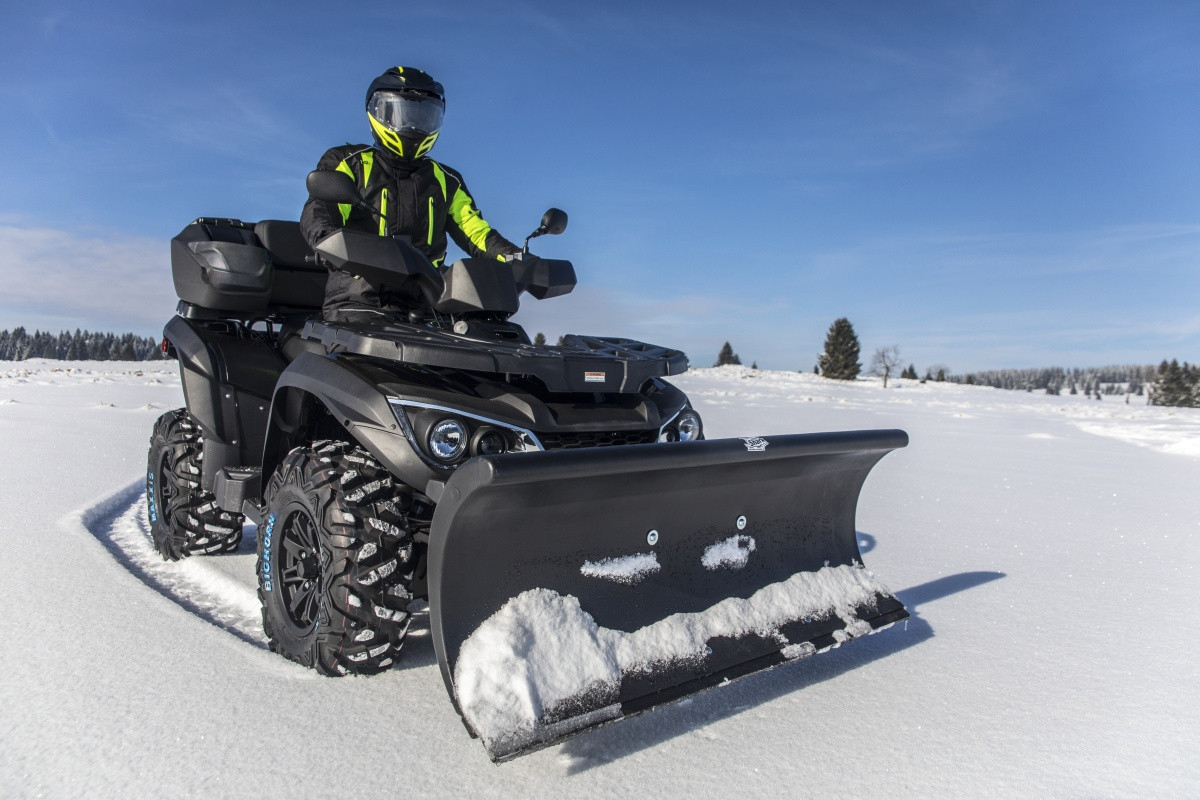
684, 428
689, 426
447, 440
489, 442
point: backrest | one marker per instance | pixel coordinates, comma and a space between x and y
285, 242
296, 283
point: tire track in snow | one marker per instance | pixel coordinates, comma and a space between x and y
194, 583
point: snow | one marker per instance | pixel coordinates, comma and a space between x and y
624, 569
732, 553
511, 673
1048, 549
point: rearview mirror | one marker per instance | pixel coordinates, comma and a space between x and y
333, 187
554, 221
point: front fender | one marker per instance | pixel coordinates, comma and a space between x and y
314, 384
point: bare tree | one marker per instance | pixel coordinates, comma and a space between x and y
885, 361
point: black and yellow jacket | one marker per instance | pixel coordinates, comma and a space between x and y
419, 200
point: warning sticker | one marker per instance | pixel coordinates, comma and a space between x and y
593, 377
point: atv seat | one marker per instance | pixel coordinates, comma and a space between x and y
296, 283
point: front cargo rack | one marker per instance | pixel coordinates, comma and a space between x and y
579, 364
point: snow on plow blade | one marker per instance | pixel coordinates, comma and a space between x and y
571, 588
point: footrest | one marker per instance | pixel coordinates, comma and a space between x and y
237, 485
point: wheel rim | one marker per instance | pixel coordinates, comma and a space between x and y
300, 569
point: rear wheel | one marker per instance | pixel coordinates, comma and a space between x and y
184, 519
335, 560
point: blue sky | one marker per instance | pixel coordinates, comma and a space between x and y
985, 185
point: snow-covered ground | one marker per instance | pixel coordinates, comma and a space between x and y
1047, 548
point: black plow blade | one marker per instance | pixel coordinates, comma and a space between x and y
568, 589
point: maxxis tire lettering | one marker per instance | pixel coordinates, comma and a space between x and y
184, 519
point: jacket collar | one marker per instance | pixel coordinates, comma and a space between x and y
395, 165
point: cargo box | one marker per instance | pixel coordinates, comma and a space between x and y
220, 265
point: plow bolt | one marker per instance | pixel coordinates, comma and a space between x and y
652, 538
741, 523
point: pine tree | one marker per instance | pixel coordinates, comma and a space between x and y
539, 340
19, 345
1178, 386
727, 356
840, 359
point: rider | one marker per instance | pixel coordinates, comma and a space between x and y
414, 196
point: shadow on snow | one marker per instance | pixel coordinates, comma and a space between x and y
631, 736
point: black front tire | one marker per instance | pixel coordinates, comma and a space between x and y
184, 519
335, 560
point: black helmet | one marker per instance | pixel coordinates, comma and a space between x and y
405, 107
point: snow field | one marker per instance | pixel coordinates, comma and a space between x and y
1047, 548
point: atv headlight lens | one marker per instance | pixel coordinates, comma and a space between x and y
448, 440
689, 426
489, 442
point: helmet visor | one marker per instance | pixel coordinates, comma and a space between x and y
407, 112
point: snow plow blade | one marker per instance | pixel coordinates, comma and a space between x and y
568, 589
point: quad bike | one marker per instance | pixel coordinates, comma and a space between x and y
585, 554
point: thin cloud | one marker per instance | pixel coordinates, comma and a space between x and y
1131, 252
59, 279
873, 104
241, 123
49, 25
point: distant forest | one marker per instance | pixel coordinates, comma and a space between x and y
1168, 384
1124, 379
20, 344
